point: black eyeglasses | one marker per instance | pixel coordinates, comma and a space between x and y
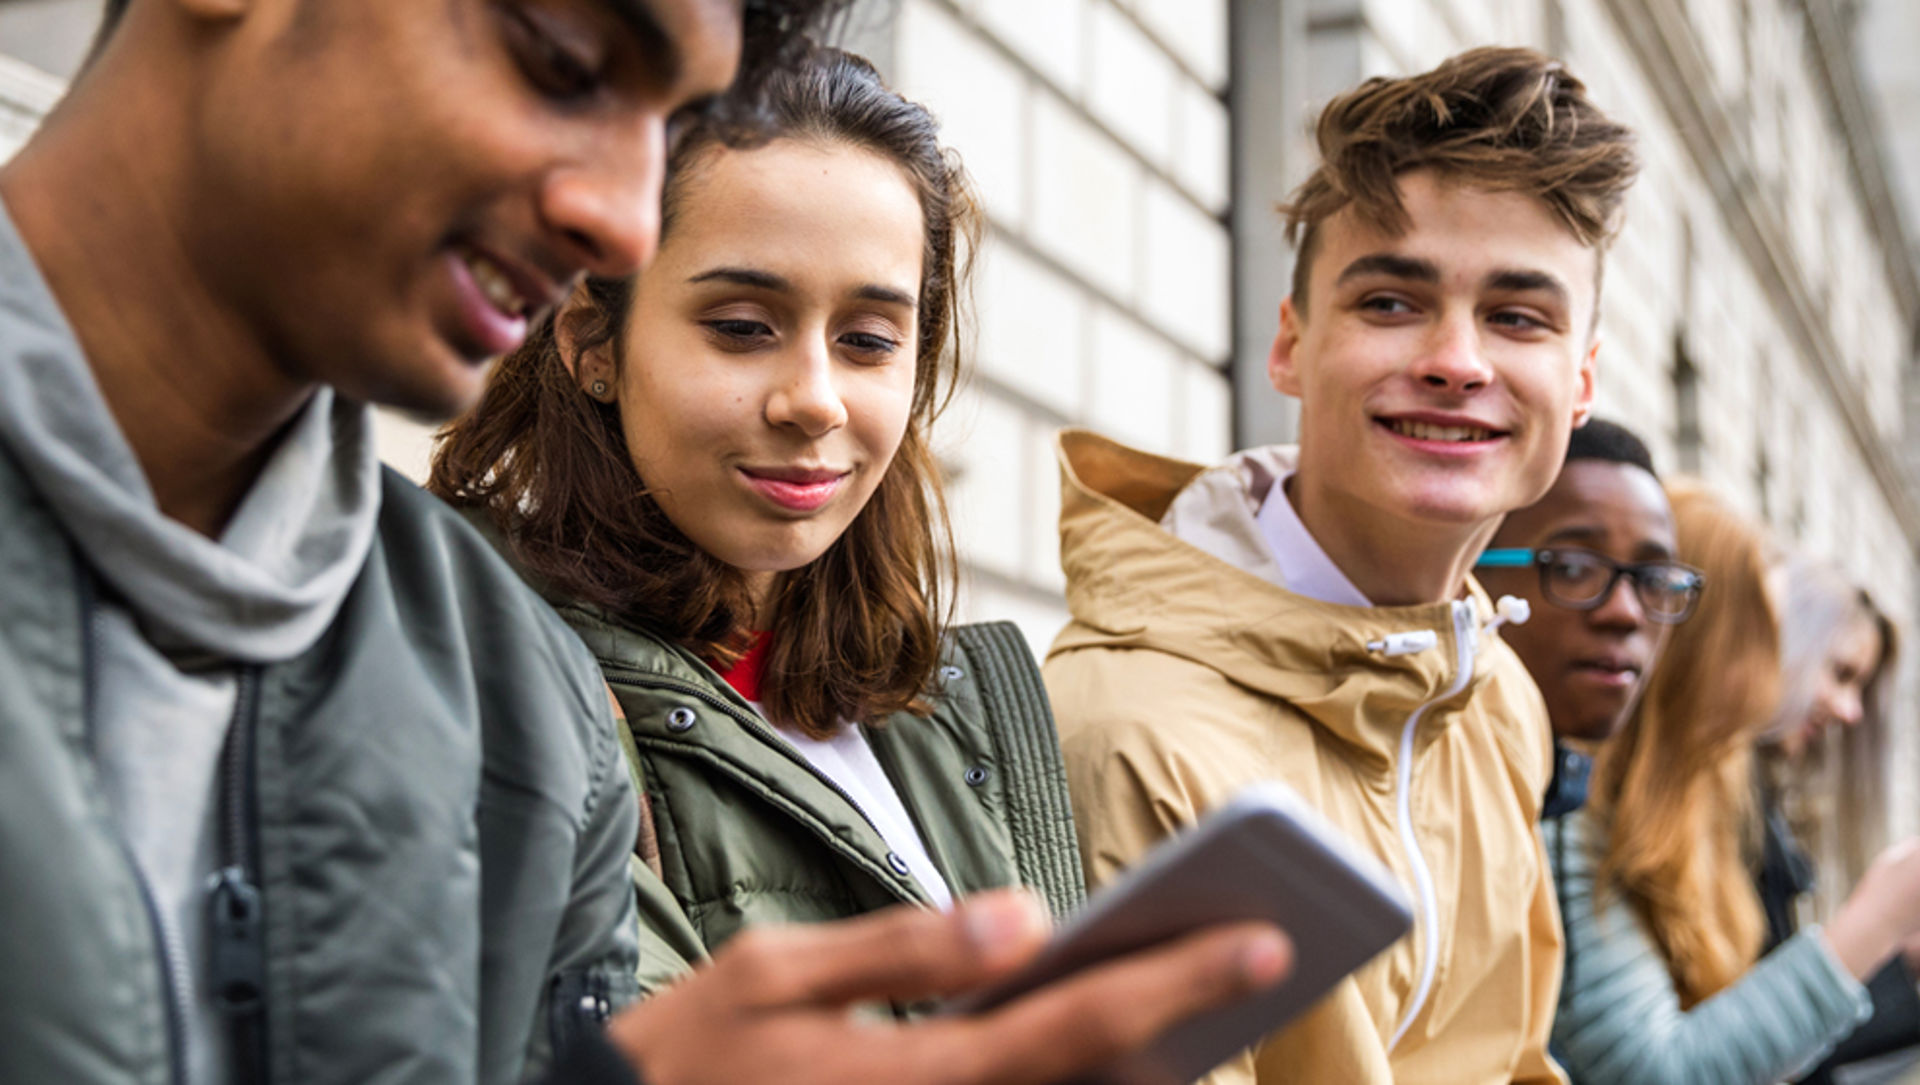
1583, 580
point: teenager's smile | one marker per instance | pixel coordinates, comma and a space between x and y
497, 299
1438, 433
768, 365
795, 489
1440, 367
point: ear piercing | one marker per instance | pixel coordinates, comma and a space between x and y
599, 390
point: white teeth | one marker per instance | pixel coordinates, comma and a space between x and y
496, 285
1422, 431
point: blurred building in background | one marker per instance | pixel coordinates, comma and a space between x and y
1760, 313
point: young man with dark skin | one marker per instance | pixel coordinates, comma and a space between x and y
1595, 559
297, 782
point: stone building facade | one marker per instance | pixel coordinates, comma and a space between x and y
1760, 311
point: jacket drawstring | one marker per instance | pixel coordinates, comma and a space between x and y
1510, 610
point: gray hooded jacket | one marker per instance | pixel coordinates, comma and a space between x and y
331, 798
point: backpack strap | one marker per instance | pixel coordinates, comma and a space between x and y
646, 844
1027, 747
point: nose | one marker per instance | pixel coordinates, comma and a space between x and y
805, 398
1848, 708
606, 207
1453, 360
1620, 609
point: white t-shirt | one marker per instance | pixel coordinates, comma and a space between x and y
848, 761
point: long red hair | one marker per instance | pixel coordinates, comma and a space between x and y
1674, 789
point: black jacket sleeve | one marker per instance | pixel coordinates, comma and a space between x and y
1894, 1026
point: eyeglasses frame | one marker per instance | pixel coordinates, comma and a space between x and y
1520, 557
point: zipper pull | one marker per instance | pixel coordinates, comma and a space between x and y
236, 944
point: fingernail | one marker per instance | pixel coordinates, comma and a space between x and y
1001, 922
1263, 959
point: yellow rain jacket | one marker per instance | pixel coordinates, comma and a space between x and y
1188, 671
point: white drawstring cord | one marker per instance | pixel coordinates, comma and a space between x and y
1405, 644
1510, 610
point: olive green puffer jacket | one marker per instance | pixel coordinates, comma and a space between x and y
748, 833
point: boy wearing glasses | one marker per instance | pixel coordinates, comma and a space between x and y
1605, 525
1307, 614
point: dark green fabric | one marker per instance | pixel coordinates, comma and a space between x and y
1020, 719
444, 823
750, 834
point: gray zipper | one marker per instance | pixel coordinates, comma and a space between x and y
763, 731
173, 976
236, 925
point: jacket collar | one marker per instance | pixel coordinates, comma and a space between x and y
1168, 555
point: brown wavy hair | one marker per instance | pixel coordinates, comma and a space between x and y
1674, 789
859, 627
1500, 118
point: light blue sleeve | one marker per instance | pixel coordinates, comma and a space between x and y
1620, 1021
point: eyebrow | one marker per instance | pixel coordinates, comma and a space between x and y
658, 50
767, 280
1575, 533
1648, 550
1516, 281
740, 276
1392, 265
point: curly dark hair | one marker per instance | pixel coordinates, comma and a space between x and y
860, 627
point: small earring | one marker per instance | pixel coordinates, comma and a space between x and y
599, 390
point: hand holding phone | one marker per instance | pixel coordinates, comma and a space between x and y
1265, 855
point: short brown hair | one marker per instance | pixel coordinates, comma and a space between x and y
859, 627
1501, 118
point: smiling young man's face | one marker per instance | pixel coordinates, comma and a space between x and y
1590, 665
390, 192
1440, 370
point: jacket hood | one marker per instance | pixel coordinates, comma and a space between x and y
272, 583
1166, 555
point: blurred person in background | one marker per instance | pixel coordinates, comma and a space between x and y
1837, 664
1665, 979
720, 473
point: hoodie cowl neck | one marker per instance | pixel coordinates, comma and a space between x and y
264, 591
1168, 555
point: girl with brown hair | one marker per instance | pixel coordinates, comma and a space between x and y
1665, 982
720, 473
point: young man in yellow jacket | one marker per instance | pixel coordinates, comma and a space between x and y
1308, 614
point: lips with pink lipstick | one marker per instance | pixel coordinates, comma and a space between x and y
796, 489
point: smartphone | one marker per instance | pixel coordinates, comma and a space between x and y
1263, 855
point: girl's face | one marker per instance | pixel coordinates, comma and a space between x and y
1840, 697
767, 371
